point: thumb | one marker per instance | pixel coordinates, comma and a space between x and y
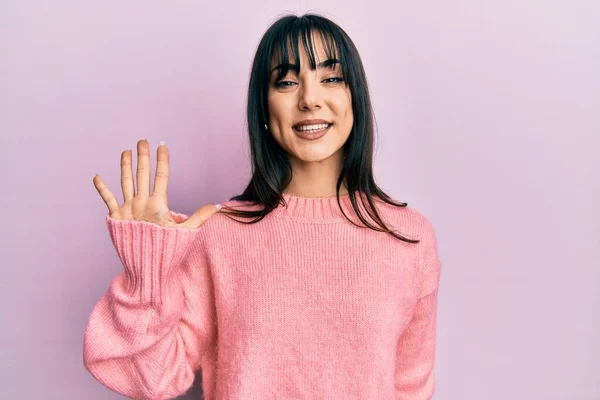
200, 216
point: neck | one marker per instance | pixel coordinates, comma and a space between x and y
316, 179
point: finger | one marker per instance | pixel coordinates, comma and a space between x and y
200, 216
143, 168
161, 179
127, 175
107, 196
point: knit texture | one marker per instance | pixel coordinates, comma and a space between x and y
301, 305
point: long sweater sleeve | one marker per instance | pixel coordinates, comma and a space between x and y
415, 357
146, 336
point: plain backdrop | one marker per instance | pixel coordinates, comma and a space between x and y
488, 116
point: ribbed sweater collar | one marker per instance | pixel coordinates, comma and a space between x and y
316, 209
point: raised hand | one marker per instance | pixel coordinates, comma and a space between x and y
141, 205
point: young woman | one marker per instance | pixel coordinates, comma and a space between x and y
311, 284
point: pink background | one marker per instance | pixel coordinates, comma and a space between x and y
488, 116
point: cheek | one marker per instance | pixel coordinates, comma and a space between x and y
271, 106
349, 102
346, 112
278, 109
344, 104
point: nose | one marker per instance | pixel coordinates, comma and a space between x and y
310, 95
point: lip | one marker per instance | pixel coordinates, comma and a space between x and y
311, 122
313, 135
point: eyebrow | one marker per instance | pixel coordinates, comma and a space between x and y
294, 67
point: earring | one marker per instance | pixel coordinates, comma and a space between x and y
266, 127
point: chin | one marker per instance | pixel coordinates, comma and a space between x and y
314, 159
315, 156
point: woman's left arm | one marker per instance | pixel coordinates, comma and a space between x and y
415, 355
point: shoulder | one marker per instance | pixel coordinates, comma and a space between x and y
219, 222
414, 224
408, 220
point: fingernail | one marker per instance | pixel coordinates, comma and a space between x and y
219, 206
162, 143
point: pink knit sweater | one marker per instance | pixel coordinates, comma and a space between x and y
301, 305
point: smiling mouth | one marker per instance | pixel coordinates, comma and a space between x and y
311, 128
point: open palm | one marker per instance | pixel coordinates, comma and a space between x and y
140, 204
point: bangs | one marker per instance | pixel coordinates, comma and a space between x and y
286, 42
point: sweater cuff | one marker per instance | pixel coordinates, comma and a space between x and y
150, 253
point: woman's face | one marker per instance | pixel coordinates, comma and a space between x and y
311, 95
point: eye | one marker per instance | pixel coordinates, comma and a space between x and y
334, 80
282, 84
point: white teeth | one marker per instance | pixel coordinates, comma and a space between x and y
312, 127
